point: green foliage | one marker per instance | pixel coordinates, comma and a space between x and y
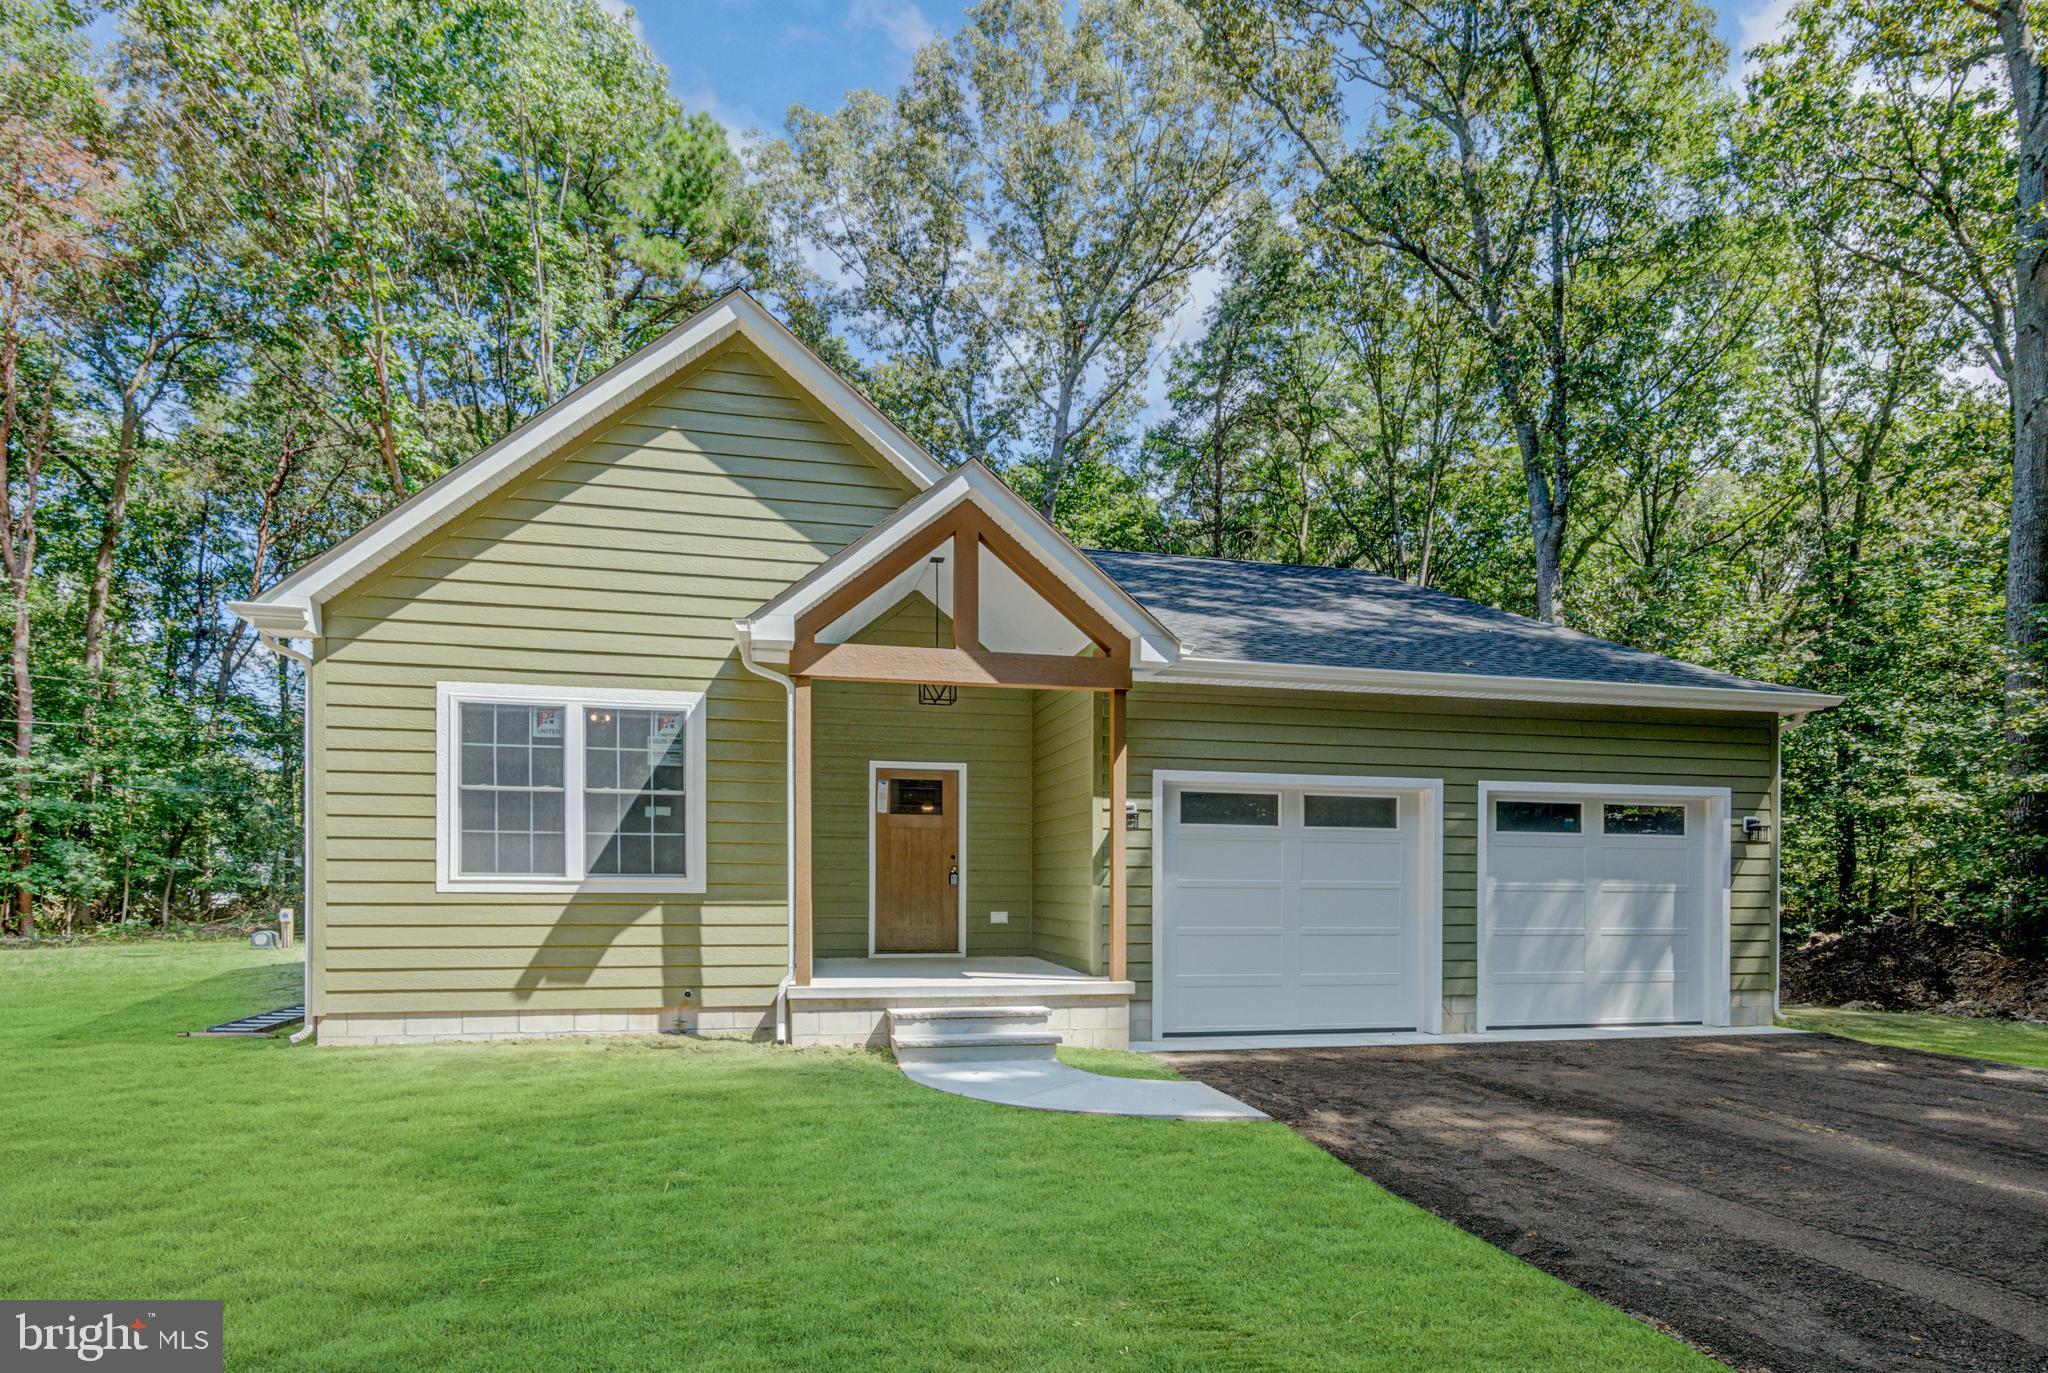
1015, 227
1521, 302
340, 248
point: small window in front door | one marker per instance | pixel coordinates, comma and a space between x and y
917, 796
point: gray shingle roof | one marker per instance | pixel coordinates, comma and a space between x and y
1337, 617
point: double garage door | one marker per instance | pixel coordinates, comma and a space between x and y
1311, 908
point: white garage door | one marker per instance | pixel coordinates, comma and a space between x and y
1288, 908
1594, 911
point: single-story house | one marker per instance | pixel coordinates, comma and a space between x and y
707, 700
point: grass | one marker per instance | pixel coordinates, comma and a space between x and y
2000, 1041
664, 1203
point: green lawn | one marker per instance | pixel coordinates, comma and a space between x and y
2001, 1041
663, 1204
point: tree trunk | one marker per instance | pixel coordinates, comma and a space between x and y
1546, 524
2026, 578
1056, 452
24, 743
95, 645
171, 872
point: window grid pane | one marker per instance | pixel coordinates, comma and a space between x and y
509, 791
633, 792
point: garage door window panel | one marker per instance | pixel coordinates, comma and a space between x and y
1654, 822
1537, 817
1230, 808
1319, 811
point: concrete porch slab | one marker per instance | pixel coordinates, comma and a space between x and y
837, 978
1041, 1085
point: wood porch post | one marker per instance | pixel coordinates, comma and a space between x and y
800, 831
1119, 789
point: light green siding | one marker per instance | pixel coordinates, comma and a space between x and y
1068, 923
620, 563
989, 730
1217, 729
623, 562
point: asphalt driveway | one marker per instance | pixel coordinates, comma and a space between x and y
1786, 1203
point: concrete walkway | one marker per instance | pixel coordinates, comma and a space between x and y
1043, 1084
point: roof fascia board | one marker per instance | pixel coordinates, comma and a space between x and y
604, 396
1480, 686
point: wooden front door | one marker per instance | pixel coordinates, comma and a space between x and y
917, 861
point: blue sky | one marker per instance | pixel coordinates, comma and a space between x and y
747, 61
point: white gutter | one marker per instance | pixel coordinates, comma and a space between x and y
1480, 686
789, 820
305, 922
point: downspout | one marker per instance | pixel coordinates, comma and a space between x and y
746, 643
305, 922
1778, 866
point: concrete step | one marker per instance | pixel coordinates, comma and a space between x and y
1018, 1047
966, 1020
968, 1034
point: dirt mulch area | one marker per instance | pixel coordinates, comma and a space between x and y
1904, 965
1784, 1203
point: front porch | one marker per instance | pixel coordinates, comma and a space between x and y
847, 1001
958, 771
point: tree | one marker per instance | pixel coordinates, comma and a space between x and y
1539, 164
1026, 217
52, 178
1204, 454
1921, 145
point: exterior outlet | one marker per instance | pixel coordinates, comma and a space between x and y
998, 917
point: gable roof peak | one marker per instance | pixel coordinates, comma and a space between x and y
290, 609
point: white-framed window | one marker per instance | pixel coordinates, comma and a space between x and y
556, 789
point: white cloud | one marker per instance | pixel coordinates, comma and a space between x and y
899, 21
1762, 22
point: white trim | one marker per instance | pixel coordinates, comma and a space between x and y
1429, 792
771, 630
959, 949
1718, 805
1393, 1039
1196, 671
447, 695
561, 424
